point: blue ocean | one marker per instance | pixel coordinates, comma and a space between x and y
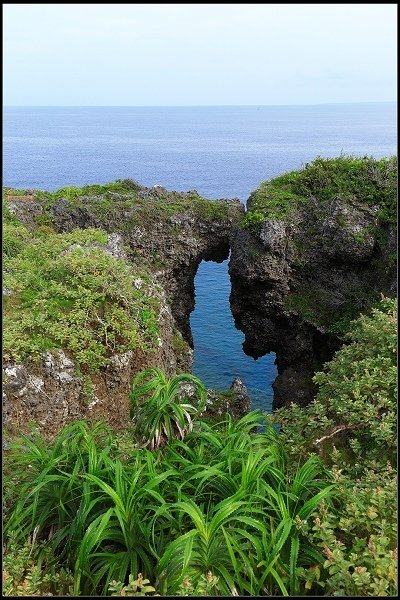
222, 152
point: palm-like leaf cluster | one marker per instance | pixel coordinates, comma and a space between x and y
158, 407
219, 500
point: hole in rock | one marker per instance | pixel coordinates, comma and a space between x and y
218, 353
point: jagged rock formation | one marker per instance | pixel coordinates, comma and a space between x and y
166, 234
171, 232
235, 401
312, 252
300, 275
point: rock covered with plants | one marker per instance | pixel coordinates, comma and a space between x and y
170, 232
79, 322
99, 284
174, 495
316, 248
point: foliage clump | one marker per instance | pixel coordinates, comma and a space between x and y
160, 408
309, 510
363, 179
31, 569
65, 291
355, 407
352, 426
218, 501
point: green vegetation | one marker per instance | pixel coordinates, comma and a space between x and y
366, 180
217, 501
352, 426
31, 569
355, 406
311, 305
135, 587
65, 292
145, 205
230, 509
160, 413
238, 510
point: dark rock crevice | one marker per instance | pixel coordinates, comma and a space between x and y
296, 285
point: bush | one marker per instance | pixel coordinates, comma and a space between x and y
358, 537
65, 292
32, 570
356, 405
352, 425
159, 408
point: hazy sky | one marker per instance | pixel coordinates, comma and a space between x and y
198, 54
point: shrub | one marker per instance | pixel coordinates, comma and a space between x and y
135, 587
67, 293
355, 407
31, 569
358, 536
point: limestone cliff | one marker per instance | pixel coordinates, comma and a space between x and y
318, 247
162, 236
314, 249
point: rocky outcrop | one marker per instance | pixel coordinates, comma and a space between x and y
296, 281
298, 276
162, 233
52, 392
235, 401
171, 232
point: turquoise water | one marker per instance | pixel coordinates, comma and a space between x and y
219, 151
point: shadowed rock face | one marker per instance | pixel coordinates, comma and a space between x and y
294, 281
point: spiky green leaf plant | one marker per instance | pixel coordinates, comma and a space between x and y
159, 406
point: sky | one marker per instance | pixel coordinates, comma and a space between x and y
198, 54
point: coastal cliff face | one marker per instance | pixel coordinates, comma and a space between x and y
160, 237
170, 232
317, 248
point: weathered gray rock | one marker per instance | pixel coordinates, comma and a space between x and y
289, 281
348, 231
322, 257
235, 401
26, 211
273, 236
114, 246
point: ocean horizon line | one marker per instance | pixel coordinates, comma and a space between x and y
197, 105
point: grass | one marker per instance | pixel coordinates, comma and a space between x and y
159, 407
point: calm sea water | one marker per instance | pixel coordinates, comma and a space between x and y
219, 151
